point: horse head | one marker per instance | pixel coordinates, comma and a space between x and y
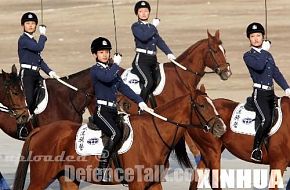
207, 53
13, 96
216, 56
205, 113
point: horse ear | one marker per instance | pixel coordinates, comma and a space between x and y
14, 69
217, 34
208, 34
202, 88
4, 74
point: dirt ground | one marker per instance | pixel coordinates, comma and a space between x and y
73, 24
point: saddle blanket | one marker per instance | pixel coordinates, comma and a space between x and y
89, 142
243, 121
133, 80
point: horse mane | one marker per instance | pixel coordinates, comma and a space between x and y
76, 75
195, 45
191, 48
176, 101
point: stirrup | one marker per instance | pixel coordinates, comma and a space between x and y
22, 132
256, 159
106, 175
103, 175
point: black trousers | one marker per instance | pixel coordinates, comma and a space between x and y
106, 119
264, 105
144, 66
30, 80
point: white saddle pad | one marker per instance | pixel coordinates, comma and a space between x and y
89, 142
243, 121
42, 105
132, 80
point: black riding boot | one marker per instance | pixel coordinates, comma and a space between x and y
257, 152
104, 161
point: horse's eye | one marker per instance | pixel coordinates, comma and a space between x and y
201, 105
15, 93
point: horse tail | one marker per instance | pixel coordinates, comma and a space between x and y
181, 154
21, 171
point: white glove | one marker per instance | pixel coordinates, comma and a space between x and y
42, 29
52, 74
171, 56
287, 91
117, 58
266, 45
156, 22
144, 107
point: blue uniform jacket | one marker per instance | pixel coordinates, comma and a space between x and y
263, 69
107, 82
29, 51
147, 37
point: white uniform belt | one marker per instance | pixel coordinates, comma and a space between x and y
26, 66
106, 103
149, 52
264, 87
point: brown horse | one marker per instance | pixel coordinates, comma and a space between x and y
12, 99
63, 102
276, 154
154, 140
204, 53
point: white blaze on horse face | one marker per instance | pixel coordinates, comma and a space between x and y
215, 111
222, 49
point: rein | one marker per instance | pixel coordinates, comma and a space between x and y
202, 120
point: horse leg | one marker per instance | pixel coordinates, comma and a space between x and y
42, 173
192, 147
276, 168
194, 177
67, 184
211, 164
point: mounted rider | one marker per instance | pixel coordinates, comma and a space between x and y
107, 82
30, 60
146, 39
263, 71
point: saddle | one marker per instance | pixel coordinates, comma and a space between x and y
121, 124
132, 80
250, 106
244, 120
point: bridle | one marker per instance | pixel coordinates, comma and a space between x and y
212, 53
204, 123
12, 108
202, 120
